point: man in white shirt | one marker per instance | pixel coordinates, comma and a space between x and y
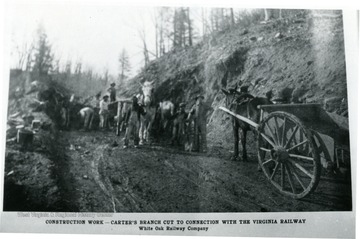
87, 115
104, 112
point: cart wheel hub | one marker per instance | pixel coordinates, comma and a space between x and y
280, 154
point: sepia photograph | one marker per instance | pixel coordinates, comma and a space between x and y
142, 110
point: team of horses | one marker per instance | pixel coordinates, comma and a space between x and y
158, 115
241, 103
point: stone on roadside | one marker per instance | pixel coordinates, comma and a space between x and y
253, 38
279, 35
244, 32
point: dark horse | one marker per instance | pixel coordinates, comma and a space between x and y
245, 105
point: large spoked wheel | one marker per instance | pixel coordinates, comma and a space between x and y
287, 154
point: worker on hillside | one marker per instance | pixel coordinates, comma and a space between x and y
269, 95
244, 89
104, 112
178, 131
112, 92
133, 122
199, 110
112, 106
87, 116
96, 107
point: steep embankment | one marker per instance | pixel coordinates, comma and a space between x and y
301, 53
36, 170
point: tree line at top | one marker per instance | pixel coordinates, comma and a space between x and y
183, 26
174, 28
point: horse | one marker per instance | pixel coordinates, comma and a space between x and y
246, 105
146, 99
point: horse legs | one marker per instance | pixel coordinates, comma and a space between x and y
243, 144
147, 132
141, 132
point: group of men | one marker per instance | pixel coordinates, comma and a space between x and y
101, 108
189, 128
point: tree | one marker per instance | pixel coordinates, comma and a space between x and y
124, 65
271, 13
145, 48
189, 27
205, 23
232, 17
182, 28
106, 76
68, 66
221, 18
78, 68
56, 67
43, 58
24, 56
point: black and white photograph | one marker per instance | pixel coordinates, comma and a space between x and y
118, 114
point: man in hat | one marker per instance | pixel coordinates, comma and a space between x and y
104, 112
199, 111
133, 122
269, 95
112, 92
179, 125
244, 89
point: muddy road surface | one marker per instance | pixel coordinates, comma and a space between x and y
100, 176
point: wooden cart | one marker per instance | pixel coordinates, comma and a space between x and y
292, 145
121, 107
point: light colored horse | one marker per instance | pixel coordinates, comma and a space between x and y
167, 113
148, 102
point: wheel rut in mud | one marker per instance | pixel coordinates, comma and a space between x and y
159, 178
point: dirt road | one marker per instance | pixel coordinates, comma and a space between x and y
104, 177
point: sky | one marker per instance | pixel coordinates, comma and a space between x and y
92, 34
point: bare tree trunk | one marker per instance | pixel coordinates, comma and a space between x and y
203, 21
222, 16
268, 14
176, 29
156, 39
146, 54
145, 50
232, 17
189, 26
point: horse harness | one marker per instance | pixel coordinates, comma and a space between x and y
242, 99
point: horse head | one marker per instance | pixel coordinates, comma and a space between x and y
148, 92
230, 95
235, 97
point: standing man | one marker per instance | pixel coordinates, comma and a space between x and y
112, 107
133, 122
112, 92
178, 131
199, 110
104, 112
